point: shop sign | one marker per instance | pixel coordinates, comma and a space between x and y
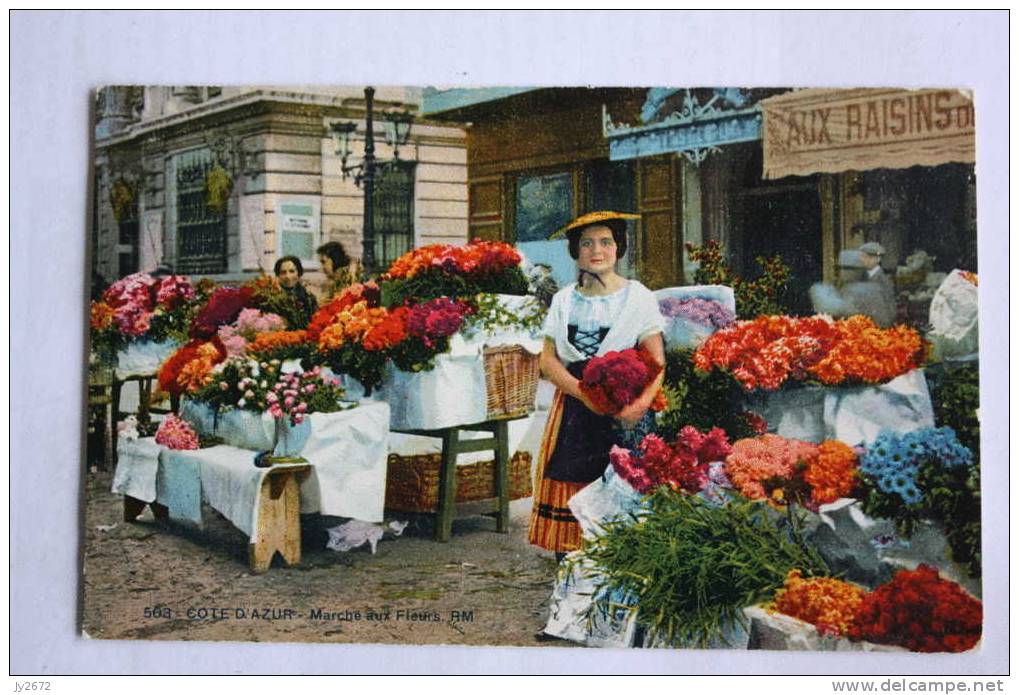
831, 130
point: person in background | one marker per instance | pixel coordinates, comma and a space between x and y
288, 271
337, 268
601, 312
863, 288
871, 254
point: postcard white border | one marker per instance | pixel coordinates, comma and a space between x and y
57, 57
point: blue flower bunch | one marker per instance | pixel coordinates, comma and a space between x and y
894, 460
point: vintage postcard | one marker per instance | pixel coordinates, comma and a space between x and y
672, 367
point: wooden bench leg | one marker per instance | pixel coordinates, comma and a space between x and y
279, 519
502, 475
447, 485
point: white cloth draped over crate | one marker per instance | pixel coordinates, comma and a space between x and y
854, 414
454, 392
143, 358
347, 451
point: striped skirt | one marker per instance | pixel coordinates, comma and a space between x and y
553, 525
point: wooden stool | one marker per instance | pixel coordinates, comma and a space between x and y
279, 516
452, 446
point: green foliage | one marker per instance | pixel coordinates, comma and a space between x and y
701, 399
763, 296
493, 315
413, 355
692, 567
955, 394
270, 298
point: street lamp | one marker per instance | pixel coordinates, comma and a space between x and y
398, 126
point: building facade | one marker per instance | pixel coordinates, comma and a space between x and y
221, 181
691, 162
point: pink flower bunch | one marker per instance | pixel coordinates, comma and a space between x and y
173, 290
706, 312
176, 433
685, 465
250, 322
758, 459
235, 343
439, 318
131, 301
292, 394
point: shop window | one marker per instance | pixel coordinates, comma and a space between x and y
201, 230
544, 203
394, 212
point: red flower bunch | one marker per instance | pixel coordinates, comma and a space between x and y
190, 366
685, 465
476, 258
921, 611
614, 380
392, 330
223, 306
763, 353
439, 318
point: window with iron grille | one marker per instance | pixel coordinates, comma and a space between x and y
394, 212
201, 231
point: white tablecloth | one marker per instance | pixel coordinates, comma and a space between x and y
143, 358
347, 451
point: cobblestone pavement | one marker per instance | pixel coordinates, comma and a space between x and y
147, 580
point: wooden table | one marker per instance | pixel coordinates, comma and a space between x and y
453, 446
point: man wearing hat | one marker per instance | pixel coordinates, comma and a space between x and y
884, 298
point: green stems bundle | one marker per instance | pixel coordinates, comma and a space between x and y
692, 567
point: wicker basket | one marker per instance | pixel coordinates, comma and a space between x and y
412, 482
511, 379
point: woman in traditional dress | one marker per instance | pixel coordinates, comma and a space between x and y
601, 312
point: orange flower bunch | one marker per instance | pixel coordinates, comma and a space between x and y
274, 340
767, 351
417, 260
101, 316
832, 474
350, 324
390, 331
764, 352
969, 276
828, 604
864, 352
197, 373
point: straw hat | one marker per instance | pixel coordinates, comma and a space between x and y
590, 218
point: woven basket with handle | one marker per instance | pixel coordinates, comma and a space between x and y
511, 378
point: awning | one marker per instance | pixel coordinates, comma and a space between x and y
831, 130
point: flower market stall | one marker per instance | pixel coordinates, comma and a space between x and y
429, 349
811, 486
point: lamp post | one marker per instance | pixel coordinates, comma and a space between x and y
368, 168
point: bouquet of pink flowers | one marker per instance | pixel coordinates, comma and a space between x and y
295, 395
176, 433
685, 465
